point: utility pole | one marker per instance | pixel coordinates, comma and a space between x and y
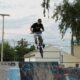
2, 44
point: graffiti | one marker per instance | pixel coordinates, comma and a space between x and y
47, 71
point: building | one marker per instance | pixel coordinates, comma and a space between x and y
52, 54
77, 51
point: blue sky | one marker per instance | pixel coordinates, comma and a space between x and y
23, 13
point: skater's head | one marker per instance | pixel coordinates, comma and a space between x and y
39, 21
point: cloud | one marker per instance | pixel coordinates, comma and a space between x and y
20, 8
23, 13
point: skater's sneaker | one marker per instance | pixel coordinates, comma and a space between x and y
43, 45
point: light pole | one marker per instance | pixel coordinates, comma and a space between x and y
3, 15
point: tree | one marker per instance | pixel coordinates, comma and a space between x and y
46, 5
16, 53
22, 49
69, 16
8, 52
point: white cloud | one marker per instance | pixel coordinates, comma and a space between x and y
21, 8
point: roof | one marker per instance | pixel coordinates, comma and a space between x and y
52, 53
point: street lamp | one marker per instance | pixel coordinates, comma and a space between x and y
3, 15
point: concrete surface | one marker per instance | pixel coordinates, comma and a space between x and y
4, 70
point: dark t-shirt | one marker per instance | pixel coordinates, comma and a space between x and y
37, 27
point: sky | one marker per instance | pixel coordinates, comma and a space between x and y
23, 13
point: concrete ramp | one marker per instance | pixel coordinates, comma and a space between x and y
3, 74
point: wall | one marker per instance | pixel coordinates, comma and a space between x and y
77, 51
